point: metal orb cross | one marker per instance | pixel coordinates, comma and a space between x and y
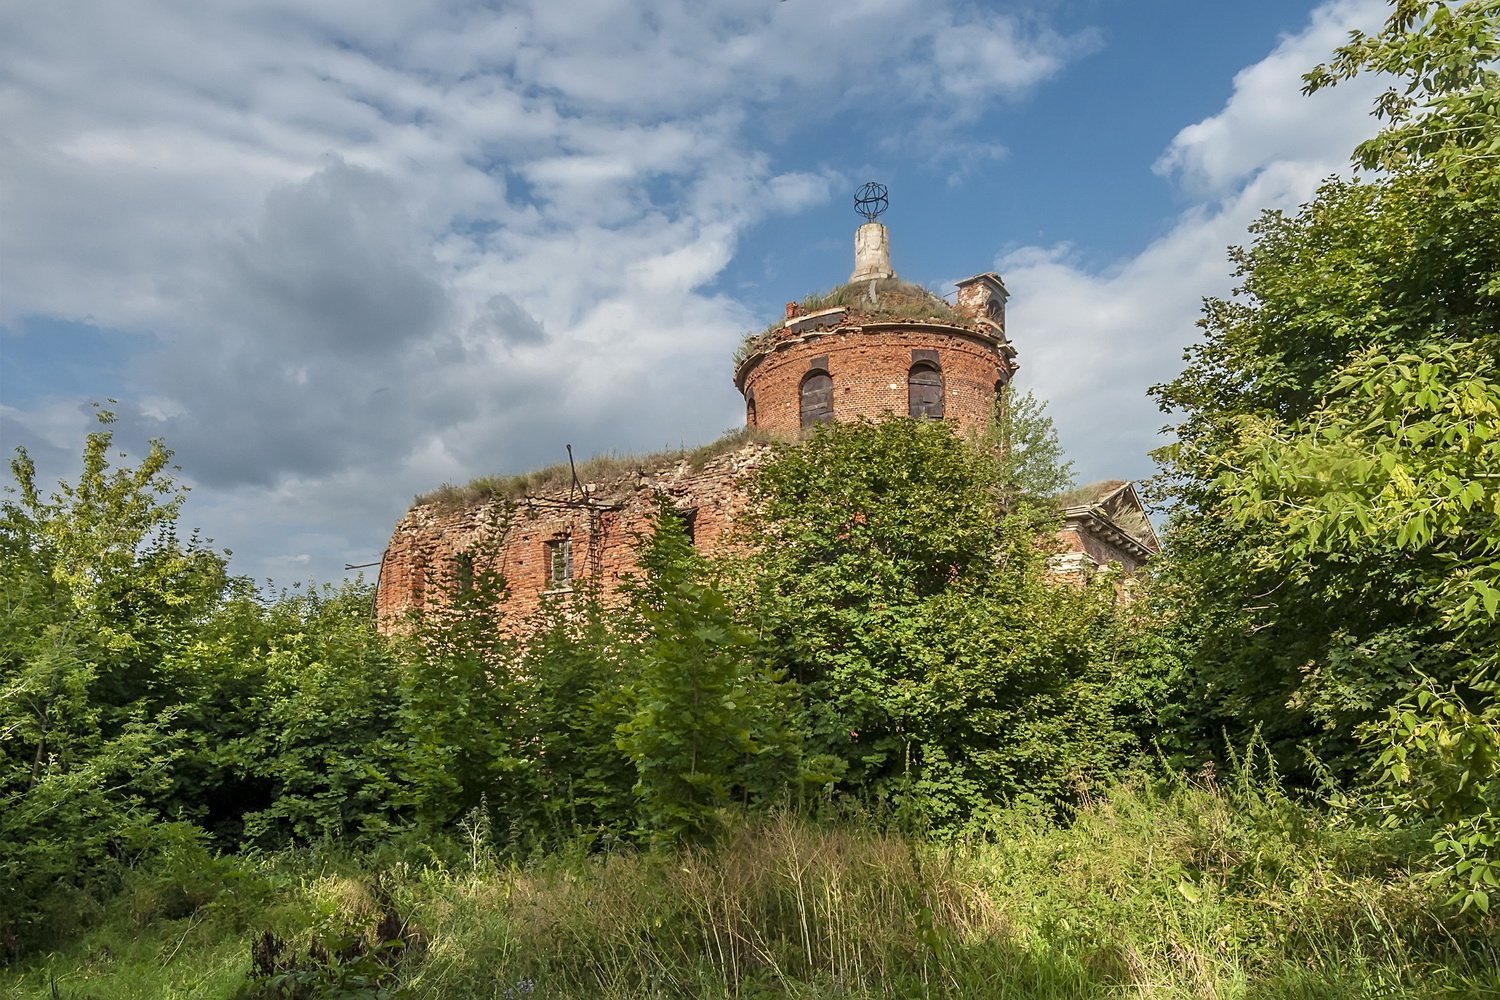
870, 200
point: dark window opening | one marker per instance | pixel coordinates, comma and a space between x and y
688, 518
817, 398
924, 391
463, 573
559, 564
750, 410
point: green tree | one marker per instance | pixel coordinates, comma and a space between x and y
1032, 466
1311, 649
1400, 463
462, 690
935, 662
318, 744
96, 592
708, 726
1441, 115
1337, 465
1309, 645
572, 780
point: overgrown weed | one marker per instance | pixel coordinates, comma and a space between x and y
606, 469
1200, 886
875, 300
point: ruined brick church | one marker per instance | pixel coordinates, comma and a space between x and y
874, 347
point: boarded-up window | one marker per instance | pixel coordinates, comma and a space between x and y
924, 391
559, 563
817, 399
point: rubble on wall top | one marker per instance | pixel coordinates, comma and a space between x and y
606, 474
880, 299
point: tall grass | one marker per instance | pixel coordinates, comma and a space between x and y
609, 470
1191, 890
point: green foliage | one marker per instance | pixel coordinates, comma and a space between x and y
96, 590
346, 965
1442, 764
142, 684
172, 873
1339, 534
1315, 641
574, 784
321, 737
706, 725
1397, 463
1032, 466
935, 663
1197, 886
907, 499
460, 691
1444, 120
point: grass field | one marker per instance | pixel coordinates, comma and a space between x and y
1183, 890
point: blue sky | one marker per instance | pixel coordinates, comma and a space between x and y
336, 253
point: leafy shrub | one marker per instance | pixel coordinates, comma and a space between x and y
936, 663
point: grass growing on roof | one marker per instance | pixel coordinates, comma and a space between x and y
872, 301
1128, 517
610, 466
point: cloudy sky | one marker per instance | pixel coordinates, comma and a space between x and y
337, 253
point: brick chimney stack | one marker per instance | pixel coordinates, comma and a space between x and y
982, 299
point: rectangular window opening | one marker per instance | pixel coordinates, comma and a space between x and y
689, 518
560, 564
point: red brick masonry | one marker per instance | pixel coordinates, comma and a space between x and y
422, 563
868, 364
555, 543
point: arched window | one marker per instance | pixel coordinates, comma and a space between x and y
924, 391
750, 409
817, 398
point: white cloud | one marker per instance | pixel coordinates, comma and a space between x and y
1092, 342
975, 58
1267, 119
376, 246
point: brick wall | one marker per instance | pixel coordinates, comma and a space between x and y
421, 564
1075, 538
869, 364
